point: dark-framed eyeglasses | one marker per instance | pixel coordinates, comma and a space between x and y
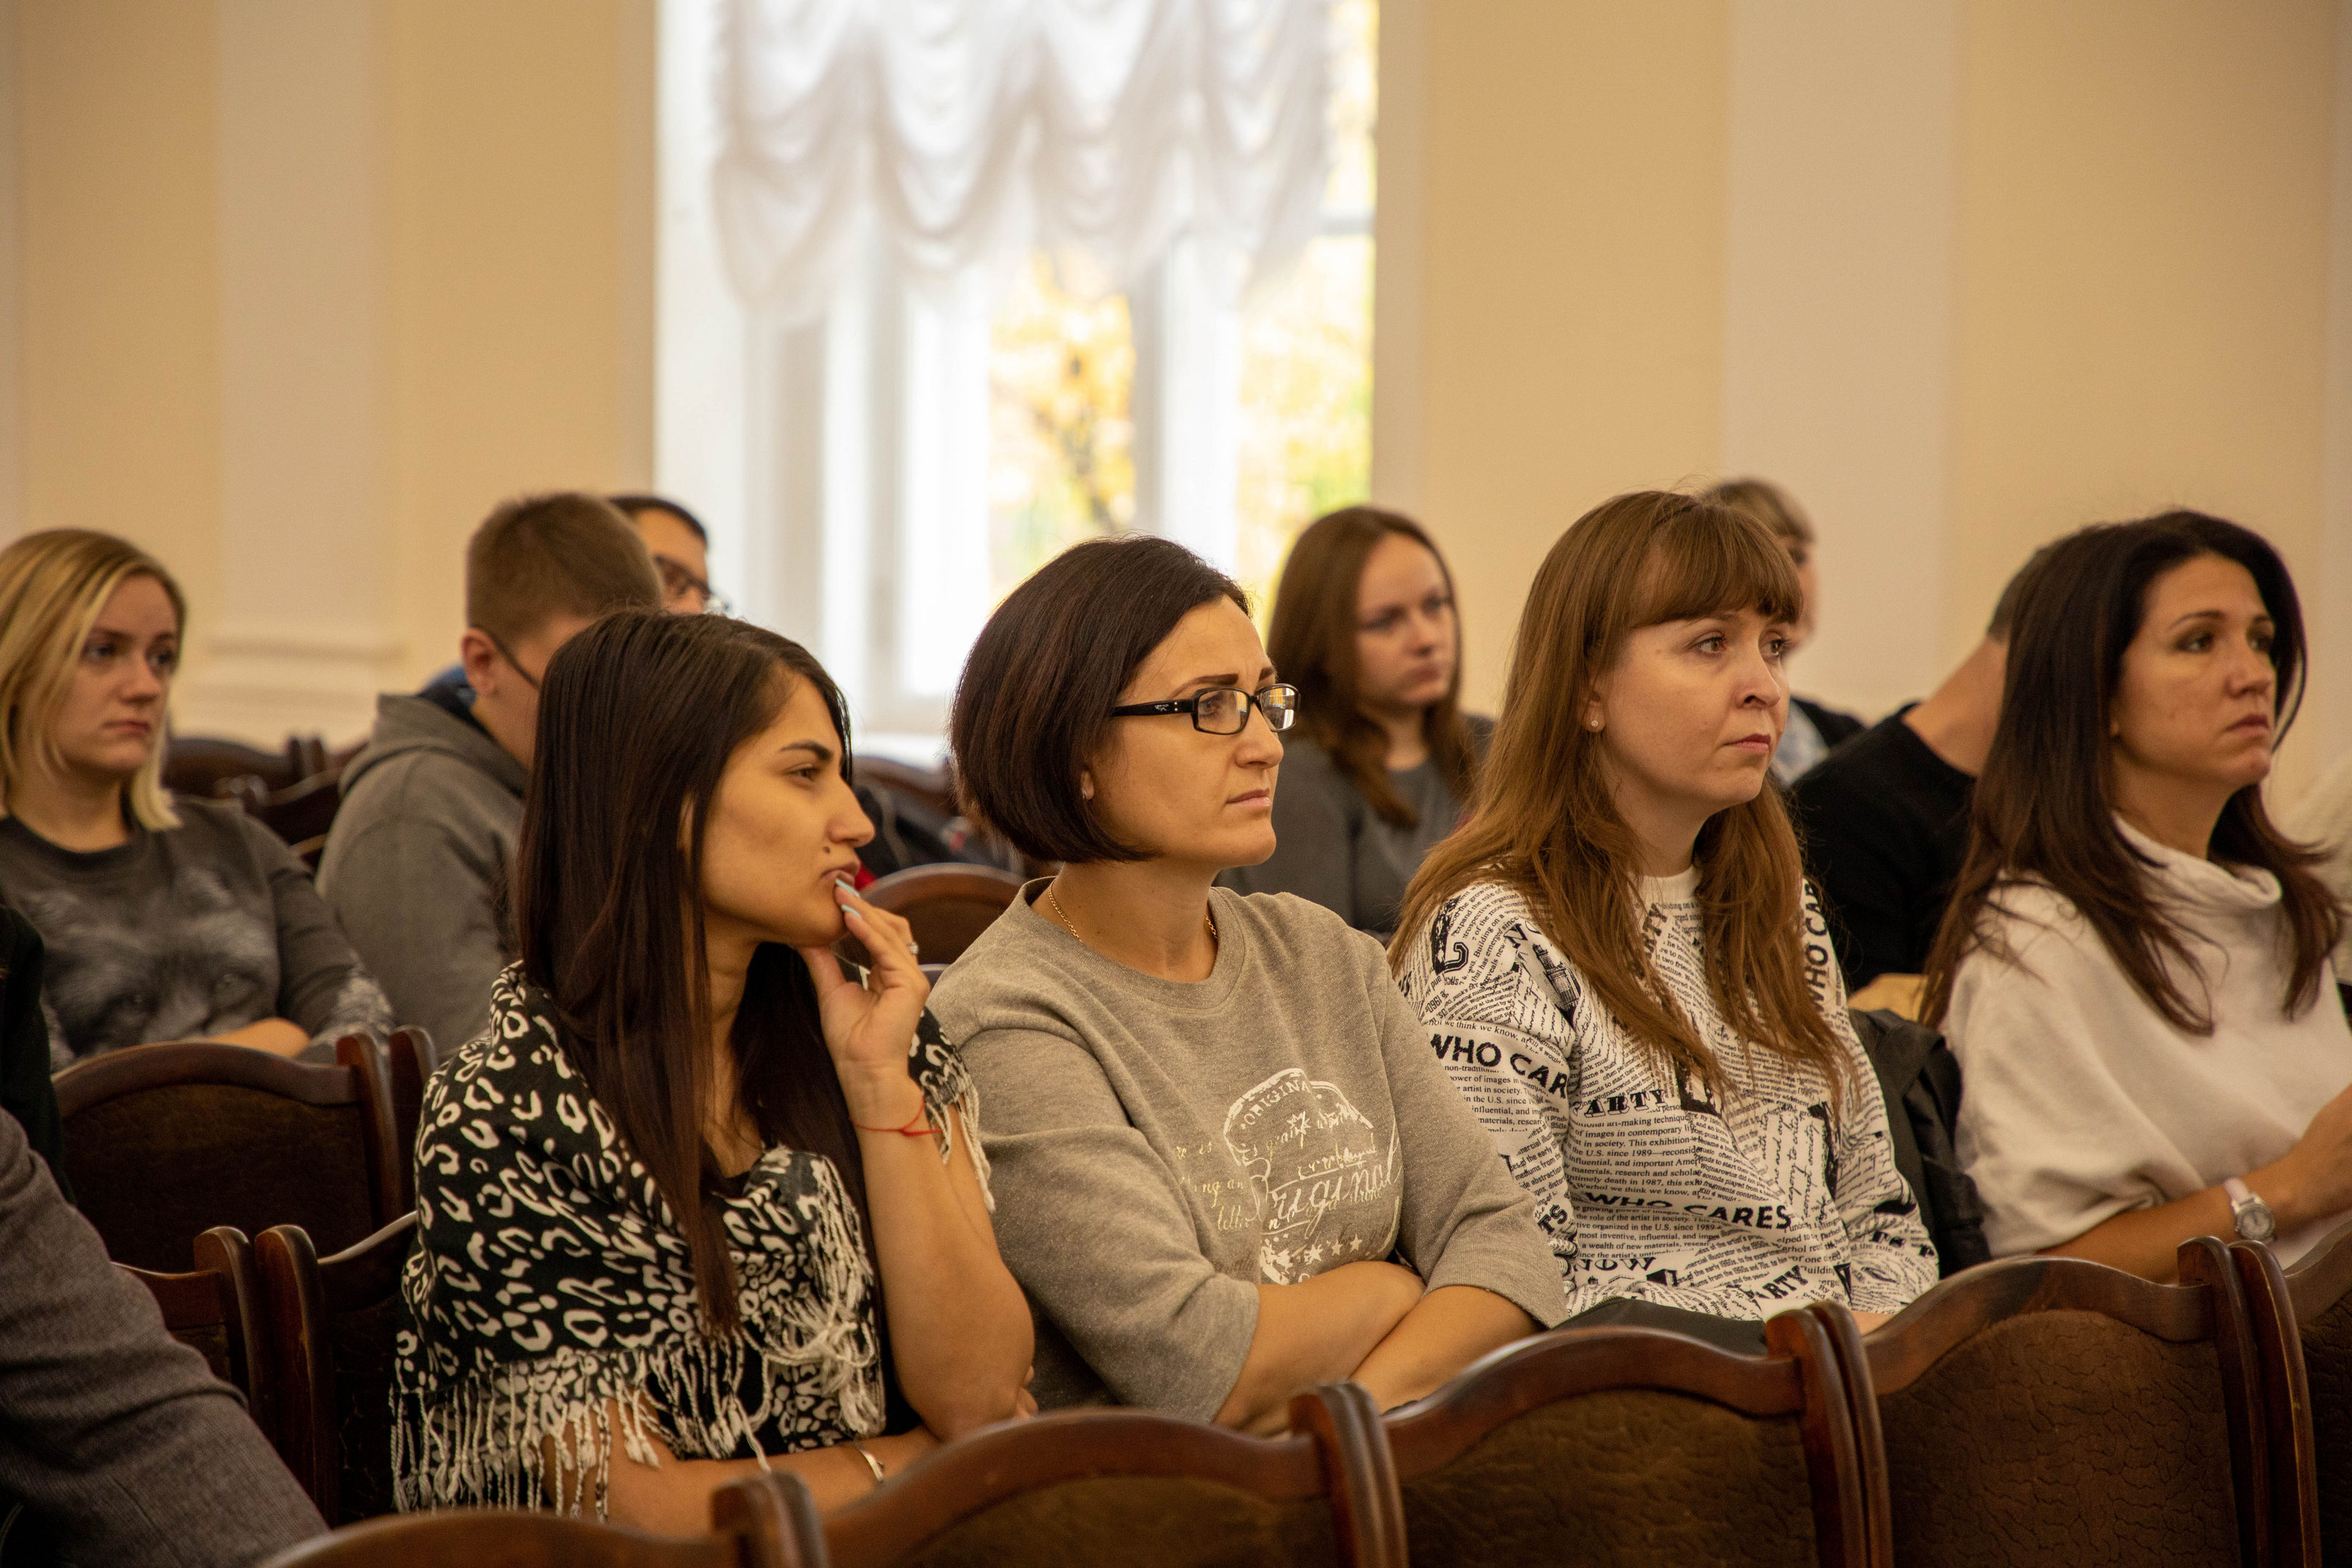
507, 654
678, 580
1223, 710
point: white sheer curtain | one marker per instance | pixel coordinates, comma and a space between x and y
969, 132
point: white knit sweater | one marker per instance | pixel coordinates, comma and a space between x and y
1647, 1189
2078, 1101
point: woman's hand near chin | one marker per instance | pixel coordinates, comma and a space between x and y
870, 1028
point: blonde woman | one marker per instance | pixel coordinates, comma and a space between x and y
162, 922
1618, 960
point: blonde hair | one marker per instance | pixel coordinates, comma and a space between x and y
52, 586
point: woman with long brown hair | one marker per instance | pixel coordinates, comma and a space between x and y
1618, 960
664, 1200
2134, 970
1377, 770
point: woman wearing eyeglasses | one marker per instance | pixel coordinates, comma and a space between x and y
1226, 1165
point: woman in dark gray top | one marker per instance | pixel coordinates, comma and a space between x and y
160, 922
1378, 768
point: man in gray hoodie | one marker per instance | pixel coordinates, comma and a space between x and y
417, 863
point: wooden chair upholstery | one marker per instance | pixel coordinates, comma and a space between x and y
331, 1324
948, 906
1635, 1445
163, 1141
2050, 1410
216, 1310
766, 1521
2319, 1289
1141, 1489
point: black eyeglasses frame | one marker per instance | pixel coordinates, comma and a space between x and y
1191, 705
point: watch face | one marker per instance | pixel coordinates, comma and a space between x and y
2255, 1222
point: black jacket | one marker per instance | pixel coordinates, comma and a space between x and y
25, 1090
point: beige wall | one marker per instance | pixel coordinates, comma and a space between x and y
361, 267
1967, 274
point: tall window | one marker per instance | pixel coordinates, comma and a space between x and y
885, 470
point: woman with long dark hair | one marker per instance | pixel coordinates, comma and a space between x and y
1377, 770
663, 1199
1619, 961
2134, 970
1229, 1168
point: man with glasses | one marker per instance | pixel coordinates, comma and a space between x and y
680, 547
417, 863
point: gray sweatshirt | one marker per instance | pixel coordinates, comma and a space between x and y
418, 863
182, 934
118, 1438
1158, 1150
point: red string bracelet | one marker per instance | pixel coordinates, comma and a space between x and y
908, 1130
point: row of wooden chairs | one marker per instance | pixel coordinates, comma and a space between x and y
2033, 1411
162, 1142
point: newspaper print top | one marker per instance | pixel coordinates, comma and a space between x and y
1647, 1186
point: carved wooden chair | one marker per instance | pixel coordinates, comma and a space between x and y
2318, 1291
330, 1346
1635, 1445
163, 1141
1135, 1488
766, 1521
2054, 1411
216, 1310
409, 1059
948, 905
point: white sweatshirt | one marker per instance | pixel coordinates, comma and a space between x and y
2078, 1101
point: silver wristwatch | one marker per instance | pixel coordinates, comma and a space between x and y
2254, 1220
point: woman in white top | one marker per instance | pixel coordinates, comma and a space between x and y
2134, 969
1618, 960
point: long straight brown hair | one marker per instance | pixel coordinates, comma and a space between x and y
1545, 823
1312, 641
2044, 805
638, 719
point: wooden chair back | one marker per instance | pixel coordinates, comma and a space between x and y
1623, 1444
216, 1310
2319, 1292
201, 765
766, 1521
330, 1323
409, 1059
2288, 1435
1142, 1489
301, 813
948, 906
164, 1142
2054, 1411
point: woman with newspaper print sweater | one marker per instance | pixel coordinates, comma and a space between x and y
1618, 960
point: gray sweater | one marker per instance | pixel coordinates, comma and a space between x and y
183, 935
1158, 1150
417, 865
118, 1438
1333, 848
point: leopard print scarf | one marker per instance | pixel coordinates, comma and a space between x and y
549, 1288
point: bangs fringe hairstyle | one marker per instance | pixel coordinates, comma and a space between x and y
52, 586
637, 719
2044, 805
1312, 641
1545, 823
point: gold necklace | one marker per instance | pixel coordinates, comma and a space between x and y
1208, 920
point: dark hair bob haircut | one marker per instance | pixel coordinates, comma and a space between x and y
637, 719
1033, 705
2044, 807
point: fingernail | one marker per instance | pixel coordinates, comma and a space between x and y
851, 910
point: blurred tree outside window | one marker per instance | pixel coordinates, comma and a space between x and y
1063, 366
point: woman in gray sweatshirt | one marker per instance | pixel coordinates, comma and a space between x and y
1227, 1166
